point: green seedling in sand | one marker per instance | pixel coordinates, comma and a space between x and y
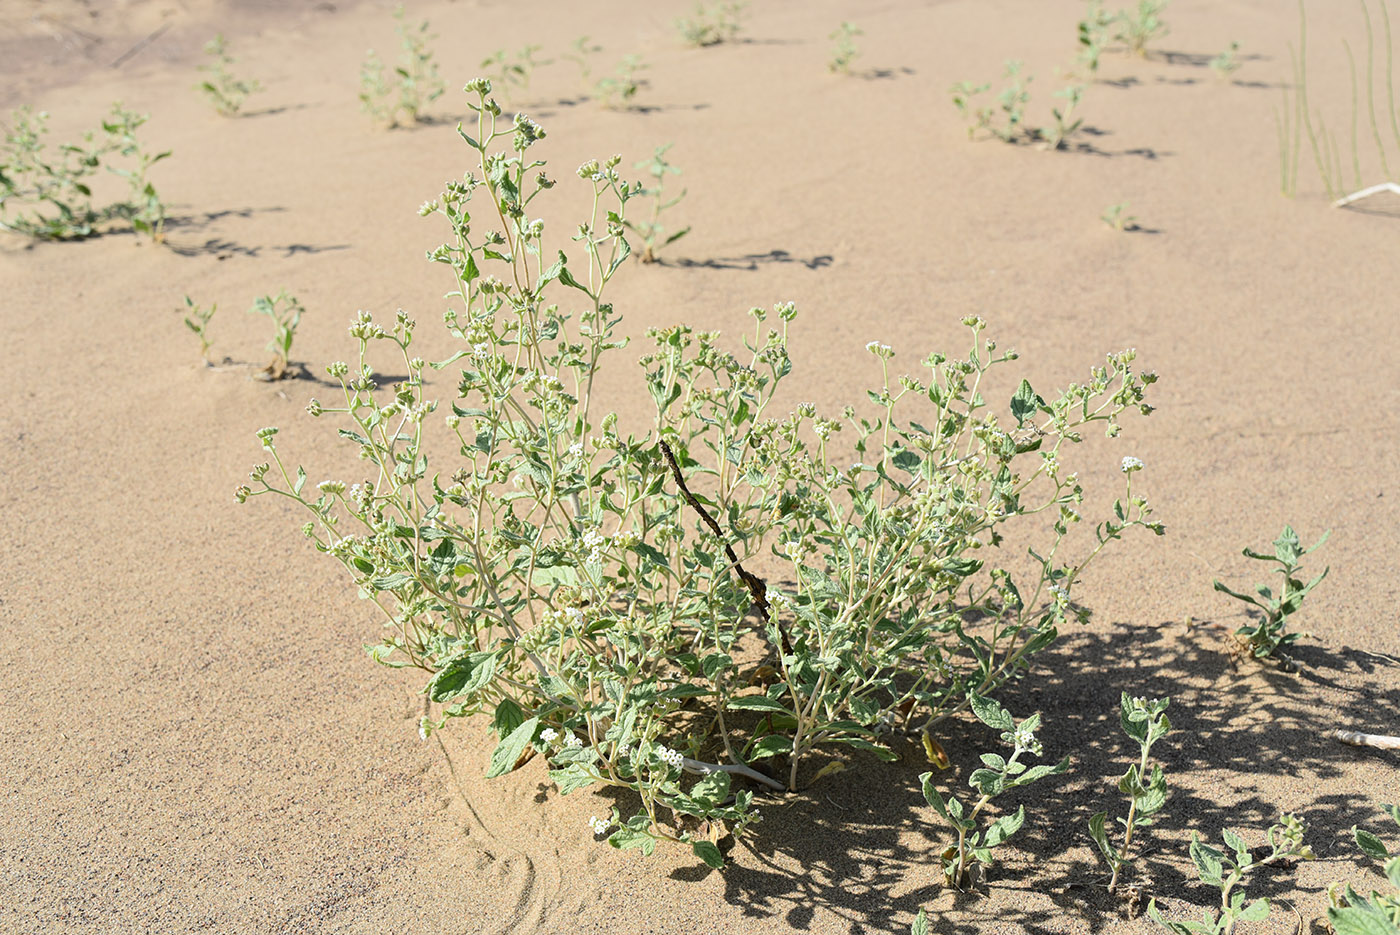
1226, 869
397, 98
845, 51
51, 197
226, 92
285, 313
1006, 121
976, 118
920, 926
1118, 218
506, 70
198, 321
616, 91
1136, 28
1094, 33
1271, 634
711, 25
1065, 123
1146, 722
1378, 914
1226, 63
498, 566
653, 234
998, 774
581, 53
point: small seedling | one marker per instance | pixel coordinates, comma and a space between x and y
414, 80
616, 91
1118, 218
581, 52
719, 22
977, 118
1054, 135
505, 70
1141, 26
198, 322
1378, 914
1094, 34
1226, 64
1270, 634
224, 91
845, 51
920, 926
998, 775
53, 200
1227, 871
651, 230
1013, 99
1146, 722
285, 312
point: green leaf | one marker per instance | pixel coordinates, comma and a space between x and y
508, 751
571, 778
772, 745
1005, 826
991, 713
708, 853
756, 703
711, 790
1025, 403
920, 926
932, 796
1360, 917
1101, 837
507, 718
1371, 845
462, 675
1256, 911
1208, 861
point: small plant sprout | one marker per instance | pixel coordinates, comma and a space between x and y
845, 51
581, 53
198, 321
1270, 634
1146, 722
976, 118
711, 25
506, 70
50, 198
998, 775
1118, 218
1227, 870
226, 92
1378, 914
1226, 63
616, 91
1053, 135
652, 233
285, 312
1094, 34
1136, 28
398, 99
920, 926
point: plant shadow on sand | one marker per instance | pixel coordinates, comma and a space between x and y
749, 262
842, 846
222, 247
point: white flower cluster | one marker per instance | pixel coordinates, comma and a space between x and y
1060, 595
572, 741
1131, 464
1026, 740
549, 735
668, 756
599, 825
593, 541
880, 350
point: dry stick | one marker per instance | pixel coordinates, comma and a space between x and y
1366, 193
141, 45
757, 588
1358, 739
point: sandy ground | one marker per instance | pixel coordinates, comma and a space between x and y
191, 737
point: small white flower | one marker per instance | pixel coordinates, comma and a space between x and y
572, 741
668, 756
599, 825
1060, 595
1025, 740
549, 735
1131, 464
576, 450
481, 350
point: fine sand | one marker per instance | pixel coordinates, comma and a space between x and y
191, 736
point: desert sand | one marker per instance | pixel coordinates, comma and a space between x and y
191, 735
